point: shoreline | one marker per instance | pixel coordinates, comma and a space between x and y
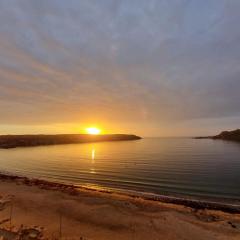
233, 136
41, 210
194, 202
14, 141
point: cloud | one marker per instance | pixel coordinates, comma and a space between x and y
119, 61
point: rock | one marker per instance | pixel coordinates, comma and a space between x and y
225, 135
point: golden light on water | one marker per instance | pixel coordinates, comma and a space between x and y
92, 170
93, 130
93, 155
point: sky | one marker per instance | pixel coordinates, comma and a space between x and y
148, 67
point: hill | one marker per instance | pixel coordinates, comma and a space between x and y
229, 135
225, 135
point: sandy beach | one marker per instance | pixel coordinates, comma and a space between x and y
60, 211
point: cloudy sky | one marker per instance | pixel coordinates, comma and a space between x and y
150, 67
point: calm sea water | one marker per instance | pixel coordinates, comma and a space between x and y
158, 165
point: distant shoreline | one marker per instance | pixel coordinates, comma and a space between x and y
198, 204
225, 135
13, 141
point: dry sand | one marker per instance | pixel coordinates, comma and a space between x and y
87, 214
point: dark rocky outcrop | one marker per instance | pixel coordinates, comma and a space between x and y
229, 135
226, 135
12, 141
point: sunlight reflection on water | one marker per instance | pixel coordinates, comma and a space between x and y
92, 169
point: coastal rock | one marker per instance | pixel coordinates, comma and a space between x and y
225, 135
229, 135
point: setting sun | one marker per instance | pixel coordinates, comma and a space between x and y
93, 130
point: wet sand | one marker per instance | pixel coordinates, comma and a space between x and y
63, 211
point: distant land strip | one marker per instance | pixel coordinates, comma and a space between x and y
13, 141
225, 135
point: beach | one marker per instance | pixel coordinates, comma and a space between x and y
66, 212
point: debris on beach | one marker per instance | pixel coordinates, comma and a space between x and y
13, 233
23, 233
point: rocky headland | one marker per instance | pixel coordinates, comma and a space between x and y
225, 135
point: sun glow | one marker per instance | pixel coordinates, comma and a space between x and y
93, 130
